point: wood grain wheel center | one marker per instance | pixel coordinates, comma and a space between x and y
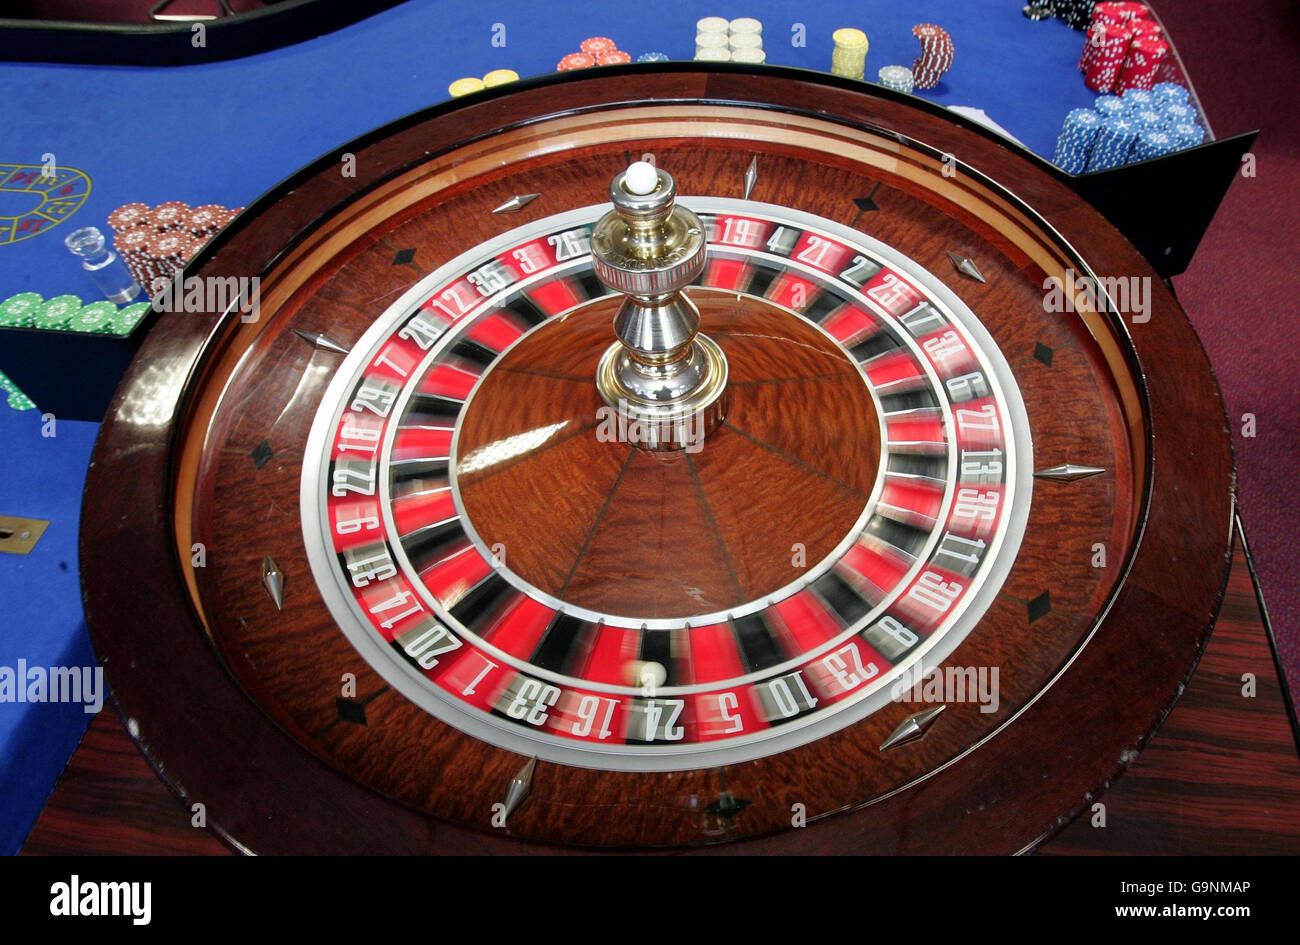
637, 534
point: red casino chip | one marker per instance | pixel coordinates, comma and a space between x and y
168, 215
614, 57
1104, 57
936, 55
575, 61
206, 220
1145, 28
1143, 62
132, 246
168, 246
596, 45
132, 242
1120, 12
128, 215
190, 246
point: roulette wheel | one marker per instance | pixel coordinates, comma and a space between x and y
661, 459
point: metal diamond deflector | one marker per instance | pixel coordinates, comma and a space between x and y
966, 267
273, 579
317, 340
519, 786
912, 728
1068, 472
516, 203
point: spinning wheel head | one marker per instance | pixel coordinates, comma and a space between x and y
660, 373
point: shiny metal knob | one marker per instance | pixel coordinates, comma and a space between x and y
661, 373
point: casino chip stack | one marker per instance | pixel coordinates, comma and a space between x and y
204, 220
56, 313
470, 84
167, 250
1160, 121
19, 311
1124, 49
132, 246
169, 216
713, 39
125, 320
1078, 135
849, 57
500, 77
594, 51
898, 78
1168, 93
139, 230
1114, 143
66, 313
712, 47
1146, 118
718, 39
936, 55
1104, 54
1037, 9
466, 86
1152, 143
1186, 135
17, 399
745, 40
129, 215
1138, 99
96, 317
1108, 106
1120, 12
1074, 12
1145, 55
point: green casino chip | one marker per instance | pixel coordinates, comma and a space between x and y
126, 319
16, 398
57, 312
19, 311
96, 317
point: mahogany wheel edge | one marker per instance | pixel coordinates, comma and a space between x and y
213, 756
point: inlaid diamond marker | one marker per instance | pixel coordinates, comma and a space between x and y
1040, 606
350, 711
866, 204
727, 805
261, 454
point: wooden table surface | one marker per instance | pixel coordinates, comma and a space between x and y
1221, 776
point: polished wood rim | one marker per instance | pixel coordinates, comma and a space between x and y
1175, 579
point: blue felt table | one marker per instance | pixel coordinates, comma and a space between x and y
41, 477
223, 133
